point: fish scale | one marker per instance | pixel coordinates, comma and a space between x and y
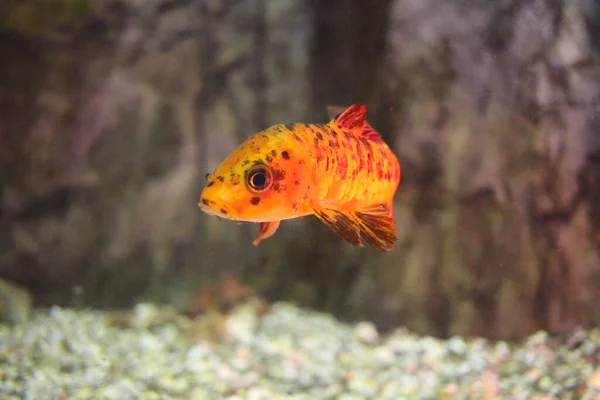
357, 166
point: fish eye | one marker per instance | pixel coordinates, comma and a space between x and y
258, 179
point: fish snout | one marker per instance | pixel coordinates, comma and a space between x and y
214, 202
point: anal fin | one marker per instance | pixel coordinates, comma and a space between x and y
267, 229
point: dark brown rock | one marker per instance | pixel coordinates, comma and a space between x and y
113, 111
496, 110
111, 121
15, 303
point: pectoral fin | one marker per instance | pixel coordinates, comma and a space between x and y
375, 224
267, 229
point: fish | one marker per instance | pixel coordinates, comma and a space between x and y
342, 172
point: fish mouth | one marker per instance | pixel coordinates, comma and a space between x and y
210, 207
205, 206
218, 208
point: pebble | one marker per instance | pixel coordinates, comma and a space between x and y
290, 353
366, 332
457, 346
363, 386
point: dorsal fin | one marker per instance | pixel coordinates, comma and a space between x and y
353, 118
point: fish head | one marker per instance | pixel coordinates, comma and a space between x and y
265, 179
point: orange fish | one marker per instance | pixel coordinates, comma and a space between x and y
342, 172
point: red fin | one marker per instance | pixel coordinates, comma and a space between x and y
375, 224
267, 229
353, 118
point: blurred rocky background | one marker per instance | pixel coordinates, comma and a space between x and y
112, 111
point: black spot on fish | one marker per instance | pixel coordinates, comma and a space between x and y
276, 187
273, 153
331, 144
220, 178
255, 200
210, 184
285, 155
223, 211
264, 136
319, 136
334, 133
246, 162
234, 179
278, 174
298, 138
269, 158
289, 126
205, 202
297, 183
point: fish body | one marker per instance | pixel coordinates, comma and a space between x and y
342, 172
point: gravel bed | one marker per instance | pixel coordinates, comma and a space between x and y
289, 353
